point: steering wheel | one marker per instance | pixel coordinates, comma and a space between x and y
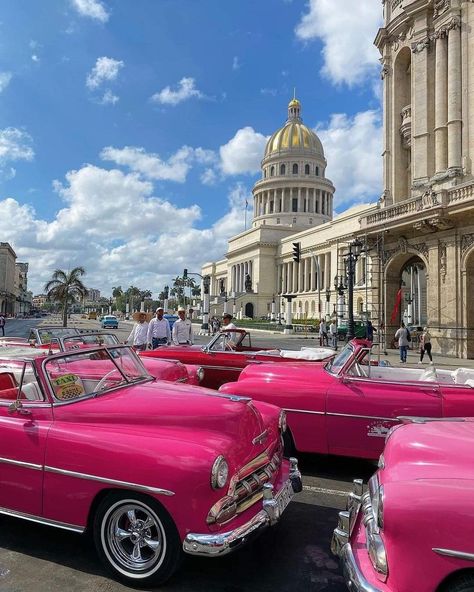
102, 384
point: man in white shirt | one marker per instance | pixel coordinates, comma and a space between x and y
323, 333
228, 326
138, 335
333, 334
182, 329
159, 332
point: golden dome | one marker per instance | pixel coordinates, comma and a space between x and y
294, 135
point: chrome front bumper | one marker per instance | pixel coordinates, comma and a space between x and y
273, 507
341, 546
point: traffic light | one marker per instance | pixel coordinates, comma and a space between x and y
296, 252
185, 274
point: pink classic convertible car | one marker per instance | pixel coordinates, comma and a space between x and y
89, 441
347, 406
228, 352
412, 530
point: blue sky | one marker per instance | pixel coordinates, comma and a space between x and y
131, 132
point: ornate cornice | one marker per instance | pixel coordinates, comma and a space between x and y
421, 44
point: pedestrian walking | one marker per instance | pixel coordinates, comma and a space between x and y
138, 335
182, 333
323, 333
403, 341
425, 345
2, 323
333, 334
369, 330
159, 332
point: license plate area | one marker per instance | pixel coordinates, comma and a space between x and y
284, 497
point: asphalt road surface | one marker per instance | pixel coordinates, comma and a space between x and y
294, 555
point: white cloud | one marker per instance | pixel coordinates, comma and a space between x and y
5, 79
105, 70
242, 153
35, 58
347, 34
151, 166
209, 177
268, 91
353, 148
92, 8
186, 90
109, 98
135, 225
15, 144
235, 63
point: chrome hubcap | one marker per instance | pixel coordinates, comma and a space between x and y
135, 537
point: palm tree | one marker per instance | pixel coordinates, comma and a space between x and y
64, 287
117, 291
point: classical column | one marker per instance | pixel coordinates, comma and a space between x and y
300, 203
295, 277
441, 102
312, 285
421, 110
454, 95
327, 275
301, 275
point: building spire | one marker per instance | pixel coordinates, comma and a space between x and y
294, 108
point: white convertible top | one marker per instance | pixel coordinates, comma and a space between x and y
310, 354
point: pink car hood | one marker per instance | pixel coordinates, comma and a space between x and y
434, 450
168, 407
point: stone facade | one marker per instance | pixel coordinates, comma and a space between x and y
419, 237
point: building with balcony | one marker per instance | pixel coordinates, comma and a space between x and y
419, 236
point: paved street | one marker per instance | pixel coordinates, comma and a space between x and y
292, 556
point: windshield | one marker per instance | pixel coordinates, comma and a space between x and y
88, 340
46, 335
81, 374
339, 361
225, 341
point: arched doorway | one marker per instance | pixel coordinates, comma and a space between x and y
469, 300
405, 292
249, 310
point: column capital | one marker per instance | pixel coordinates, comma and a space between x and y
421, 44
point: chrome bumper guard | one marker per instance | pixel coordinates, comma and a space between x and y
273, 507
341, 546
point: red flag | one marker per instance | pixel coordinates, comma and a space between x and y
398, 300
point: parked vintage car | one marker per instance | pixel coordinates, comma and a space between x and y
347, 406
228, 352
89, 441
412, 529
109, 322
169, 370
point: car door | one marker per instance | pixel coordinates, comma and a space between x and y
362, 408
23, 433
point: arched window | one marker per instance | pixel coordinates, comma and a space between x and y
264, 173
282, 169
295, 169
306, 169
272, 171
317, 171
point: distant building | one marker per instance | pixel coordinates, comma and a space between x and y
39, 300
93, 295
23, 297
7, 279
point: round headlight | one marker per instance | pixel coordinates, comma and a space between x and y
219, 473
282, 421
200, 373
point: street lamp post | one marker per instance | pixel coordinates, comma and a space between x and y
234, 306
272, 314
328, 299
355, 249
206, 282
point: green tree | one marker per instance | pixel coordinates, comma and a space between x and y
64, 287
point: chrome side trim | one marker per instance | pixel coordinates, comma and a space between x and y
206, 367
45, 521
137, 486
394, 419
19, 463
452, 553
304, 411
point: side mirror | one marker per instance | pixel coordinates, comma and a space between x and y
17, 407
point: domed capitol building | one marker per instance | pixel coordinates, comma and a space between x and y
417, 260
